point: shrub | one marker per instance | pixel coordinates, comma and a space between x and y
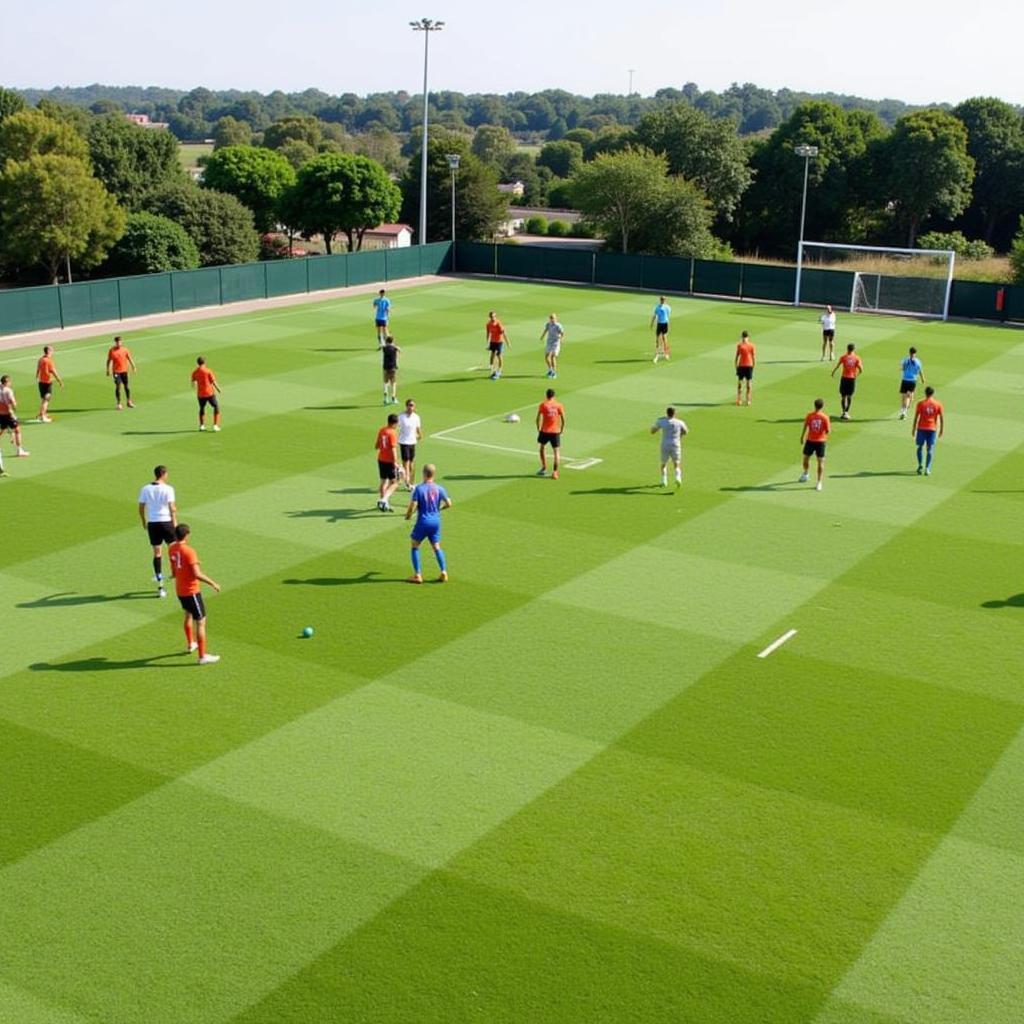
559, 228
1017, 255
536, 226
965, 248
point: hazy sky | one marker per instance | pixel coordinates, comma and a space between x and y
914, 50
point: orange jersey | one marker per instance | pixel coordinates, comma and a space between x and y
495, 331
551, 415
928, 412
204, 380
386, 444
817, 425
118, 359
745, 353
851, 364
185, 566
45, 370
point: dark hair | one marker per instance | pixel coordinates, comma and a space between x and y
389, 339
200, 361
182, 530
392, 419
929, 391
819, 403
159, 471
670, 411
850, 347
913, 351
745, 334
550, 392
117, 337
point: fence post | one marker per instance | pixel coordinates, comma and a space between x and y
220, 286
593, 269
60, 306
120, 307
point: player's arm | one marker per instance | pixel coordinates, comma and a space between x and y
655, 428
203, 578
561, 422
942, 423
834, 368
419, 434
131, 363
216, 386
504, 339
174, 512
538, 419
803, 433
142, 513
57, 377
446, 502
411, 508
913, 426
107, 370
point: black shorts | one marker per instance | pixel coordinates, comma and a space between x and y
8, 422
408, 452
208, 400
381, 323
815, 448
828, 335
745, 372
555, 440
45, 390
387, 470
908, 387
847, 386
160, 533
496, 346
193, 605
121, 378
661, 329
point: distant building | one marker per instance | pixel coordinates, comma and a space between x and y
388, 236
513, 188
143, 121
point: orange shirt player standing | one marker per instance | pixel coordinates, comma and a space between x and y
187, 577
550, 424
207, 390
118, 361
746, 357
386, 446
46, 374
813, 438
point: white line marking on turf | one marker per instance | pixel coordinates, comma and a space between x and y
776, 644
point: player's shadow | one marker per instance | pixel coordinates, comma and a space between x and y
636, 490
152, 433
868, 472
798, 419
616, 362
69, 599
100, 664
336, 515
487, 476
331, 408
1010, 490
354, 490
783, 485
342, 581
461, 380
699, 405
1014, 601
365, 348
780, 362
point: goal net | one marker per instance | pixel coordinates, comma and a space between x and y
901, 282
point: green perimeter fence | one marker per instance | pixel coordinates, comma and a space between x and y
67, 305
972, 300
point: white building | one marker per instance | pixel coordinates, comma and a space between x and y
388, 236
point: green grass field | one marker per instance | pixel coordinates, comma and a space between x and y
562, 787
190, 152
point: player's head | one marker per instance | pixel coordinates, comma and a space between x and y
491, 315
819, 404
159, 472
117, 341
428, 471
670, 411
410, 405
382, 293
389, 339
550, 392
850, 347
392, 419
5, 380
552, 318
47, 349
182, 530
828, 309
200, 361
929, 391
745, 335
913, 351
661, 299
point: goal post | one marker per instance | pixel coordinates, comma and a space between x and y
890, 280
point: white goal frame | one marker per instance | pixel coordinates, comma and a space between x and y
948, 254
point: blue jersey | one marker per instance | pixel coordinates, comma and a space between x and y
911, 367
428, 498
381, 308
662, 312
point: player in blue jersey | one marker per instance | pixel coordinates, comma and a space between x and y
427, 501
910, 372
381, 315
659, 321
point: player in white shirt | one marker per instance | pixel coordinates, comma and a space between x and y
9, 417
673, 431
410, 432
159, 515
828, 334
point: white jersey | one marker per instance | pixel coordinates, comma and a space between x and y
408, 427
672, 431
828, 321
7, 402
158, 499
554, 333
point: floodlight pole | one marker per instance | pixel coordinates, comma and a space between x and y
806, 152
453, 163
426, 26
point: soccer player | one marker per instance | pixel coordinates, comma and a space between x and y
828, 334
207, 390
672, 433
118, 361
552, 336
929, 425
910, 371
550, 424
497, 339
852, 368
746, 357
427, 501
410, 432
813, 438
159, 515
46, 374
389, 362
659, 321
381, 316
9, 415
187, 577
386, 447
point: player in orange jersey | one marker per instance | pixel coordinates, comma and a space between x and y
550, 424
746, 357
929, 425
207, 390
852, 368
813, 438
187, 577
118, 361
386, 446
46, 374
497, 339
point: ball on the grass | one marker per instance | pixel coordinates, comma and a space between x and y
512, 417
307, 632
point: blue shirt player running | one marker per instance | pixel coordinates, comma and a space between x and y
910, 371
659, 321
381, 316
426, 502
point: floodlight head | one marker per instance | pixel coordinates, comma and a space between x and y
426, 25
805, 151
453, 160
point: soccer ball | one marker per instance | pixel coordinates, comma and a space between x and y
512, 418
307, 632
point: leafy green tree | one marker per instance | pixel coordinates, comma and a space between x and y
536, 225
708, 152
1017, 254
31, 133
584, 136
494, 145
296, 152
678, 223
965, 248
152, 244
381, 145
10, 103
76, 117
562, 158
229, 131
340, 192
221, 227
522, 167
306, 129
130, 160
105, 106
54, 212
257, 177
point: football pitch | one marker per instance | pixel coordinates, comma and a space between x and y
563, 787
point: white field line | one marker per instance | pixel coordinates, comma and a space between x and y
776, 644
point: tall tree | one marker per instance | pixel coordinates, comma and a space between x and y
31, 133
257, 177
229, 131
306, 129
494, 145
563, 158
10, 102
131, 160
151, 244
340, 192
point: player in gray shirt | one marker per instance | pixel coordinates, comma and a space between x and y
672, 433
552, 336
